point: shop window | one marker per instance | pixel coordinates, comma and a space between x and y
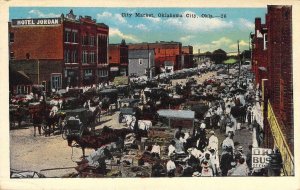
56, 81
88, 72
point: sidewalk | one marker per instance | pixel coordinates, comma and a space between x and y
243, 136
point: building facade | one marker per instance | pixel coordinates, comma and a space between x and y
272, 49
118, 59
141, 62
188, 57
165, 52
62, 51
259, 51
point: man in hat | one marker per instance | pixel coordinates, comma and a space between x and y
171, 167
206, 170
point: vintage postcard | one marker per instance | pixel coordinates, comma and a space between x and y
149, 92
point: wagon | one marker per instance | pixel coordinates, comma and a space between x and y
76, 122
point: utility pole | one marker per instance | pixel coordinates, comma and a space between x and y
148, 72
238, 43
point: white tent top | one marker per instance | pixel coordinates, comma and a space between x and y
180, 114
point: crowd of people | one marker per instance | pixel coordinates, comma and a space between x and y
201, 152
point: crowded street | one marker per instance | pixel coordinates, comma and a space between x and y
137, 152
107, 92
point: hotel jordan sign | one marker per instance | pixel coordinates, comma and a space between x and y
36, 21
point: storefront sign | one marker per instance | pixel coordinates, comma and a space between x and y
260, 157
34, 22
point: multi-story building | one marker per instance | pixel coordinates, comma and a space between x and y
272, 49
259, 50
60, 52
141, 62
165, 53
118, 59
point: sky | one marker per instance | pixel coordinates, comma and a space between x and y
206, 34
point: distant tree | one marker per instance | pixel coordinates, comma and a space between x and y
123, 42
218, 56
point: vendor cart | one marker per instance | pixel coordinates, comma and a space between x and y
76, 122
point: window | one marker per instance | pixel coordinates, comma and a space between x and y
74, 36
102, 73
92, 57
74, 56
11, 37
55, 81
67, 56
88, 72
84, 40
67, 36
265, 41
140, 61
84, 57
92, 40
11, 55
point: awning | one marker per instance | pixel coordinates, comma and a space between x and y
179, 114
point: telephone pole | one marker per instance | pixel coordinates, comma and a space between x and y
238, 43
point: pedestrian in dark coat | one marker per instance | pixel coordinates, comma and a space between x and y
226, 159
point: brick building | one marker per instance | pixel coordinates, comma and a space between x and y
259, 50
188, 56
165, 53
118, 59
60, 52
273, 50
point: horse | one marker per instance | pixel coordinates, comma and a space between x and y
51, 121
107, 135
